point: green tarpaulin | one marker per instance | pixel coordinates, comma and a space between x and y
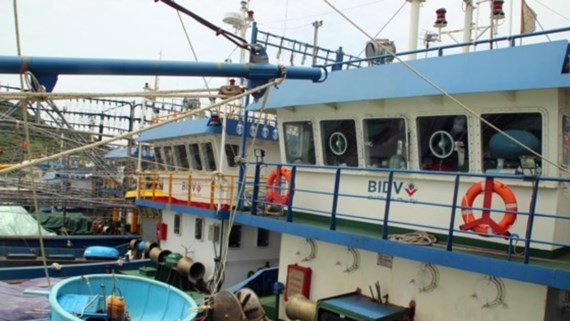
75, 223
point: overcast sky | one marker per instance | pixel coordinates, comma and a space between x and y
140, 29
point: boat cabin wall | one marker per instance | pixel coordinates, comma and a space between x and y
396, 134
465, 295
200, 238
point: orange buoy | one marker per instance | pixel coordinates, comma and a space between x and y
272, 185
484, 223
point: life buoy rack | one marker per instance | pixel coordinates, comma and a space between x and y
484, 223
272, 186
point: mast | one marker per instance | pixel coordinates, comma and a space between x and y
240, 22
467, 23
414, 26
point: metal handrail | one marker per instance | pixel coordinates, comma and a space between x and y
334, 215
440, 49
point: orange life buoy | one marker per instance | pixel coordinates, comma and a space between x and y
272, 185
485, 223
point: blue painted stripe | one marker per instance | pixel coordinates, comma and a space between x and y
220, 215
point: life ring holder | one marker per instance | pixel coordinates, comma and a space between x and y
485, 222
272, 186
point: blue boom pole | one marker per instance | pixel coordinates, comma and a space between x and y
48, 68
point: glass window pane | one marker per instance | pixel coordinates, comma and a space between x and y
177, 223
501, 153
198, 228
235, 236
182, 157
384, 143
169, 158
299, 142
209, 157
262, 237
443, 143
566, 140
195, 156
339, 142
231, 152
159, 159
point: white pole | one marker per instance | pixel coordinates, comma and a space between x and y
414, 26
468, 23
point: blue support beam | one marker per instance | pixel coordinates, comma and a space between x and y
126, 67
53, 66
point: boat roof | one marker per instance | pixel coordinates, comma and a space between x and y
194, 127
535, 66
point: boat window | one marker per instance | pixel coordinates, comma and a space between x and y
235, 236
299, 142
182, 157
198, 228
566, 140
177, 223
158, 157
443, 143
169, 158
262, 237
339, 142
231, 152
209, 157
195, 156
384, 142
500, 153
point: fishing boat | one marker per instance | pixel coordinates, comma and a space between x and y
419, 188
406, 188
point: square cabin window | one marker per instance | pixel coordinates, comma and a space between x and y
209, 157
182, 157
566, 140
169, 158
231, 152
198, 228
159, 158
500, 153
299, 142
443, 143
384, 143
195, 159
262, 237
177, 224
235, 236
339, 142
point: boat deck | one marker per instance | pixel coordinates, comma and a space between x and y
549, 269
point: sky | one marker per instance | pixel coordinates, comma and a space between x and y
142, 29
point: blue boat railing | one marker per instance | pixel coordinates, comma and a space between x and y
384, 219
337, 59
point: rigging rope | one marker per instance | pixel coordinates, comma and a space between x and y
190, 44
452, 98
180, 116
28, 148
